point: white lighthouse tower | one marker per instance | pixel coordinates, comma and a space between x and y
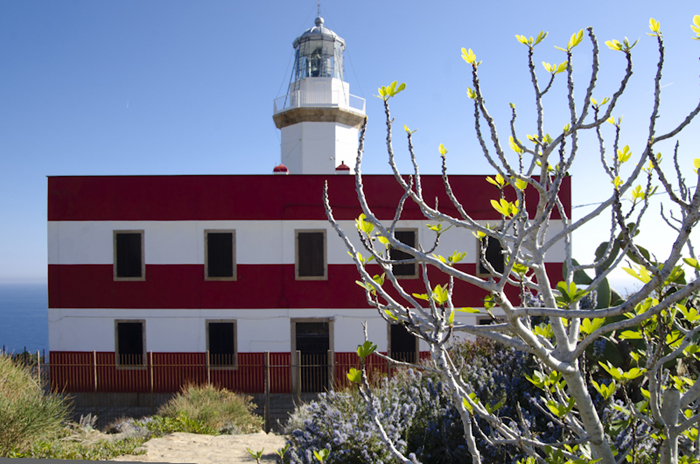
318, 117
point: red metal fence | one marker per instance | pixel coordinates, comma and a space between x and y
246, 372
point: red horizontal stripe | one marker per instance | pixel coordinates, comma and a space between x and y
187, 198
80, 371
257, 287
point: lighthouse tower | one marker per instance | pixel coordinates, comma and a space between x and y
318, 117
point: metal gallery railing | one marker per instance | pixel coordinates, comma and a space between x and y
319, 99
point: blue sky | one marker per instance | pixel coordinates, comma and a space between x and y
176, 87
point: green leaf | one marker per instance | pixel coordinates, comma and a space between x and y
520, 184
363, 225
354, 375
495, 407
322, 454
451, 319
624, 154
379, 279
690, 314
606, 391
505, 207
560, 410
692, 262
442, 150
420, 296
366, 349
440, 294
540, 37
576, 39
641, 273
282, 451
614, 45
631, 335
589, 326
654, 25
538, 379
615, 372
469, 310
498, 181
514, 146
468, 56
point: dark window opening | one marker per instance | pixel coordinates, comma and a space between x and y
222, 344
403, 344
130, 343
407, 237
493, 255
313, 341
311, 259
128, 254
220, 262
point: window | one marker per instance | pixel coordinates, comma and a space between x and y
311, 255
493, 253
403, 345
128, 255
130, 344
407, 237
219, 255
221, 343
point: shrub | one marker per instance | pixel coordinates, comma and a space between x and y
209, 409
27, 415
338, 421
418, 413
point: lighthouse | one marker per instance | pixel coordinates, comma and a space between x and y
319, 118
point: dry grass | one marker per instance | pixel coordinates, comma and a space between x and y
218, 409
27, 415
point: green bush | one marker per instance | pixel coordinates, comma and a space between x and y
27, 415
212, 408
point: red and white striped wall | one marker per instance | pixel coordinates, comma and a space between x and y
175, 301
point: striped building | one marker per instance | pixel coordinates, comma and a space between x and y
155, 281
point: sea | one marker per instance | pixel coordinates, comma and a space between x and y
24, 318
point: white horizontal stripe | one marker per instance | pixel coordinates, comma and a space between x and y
257, 242
178, 330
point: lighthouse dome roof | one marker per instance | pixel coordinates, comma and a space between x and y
319, 31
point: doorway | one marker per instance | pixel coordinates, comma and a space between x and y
312, 338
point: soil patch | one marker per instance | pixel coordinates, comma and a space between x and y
208, 449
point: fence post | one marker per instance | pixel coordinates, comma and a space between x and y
298, 379
38, 367
150, 367
94, 371
208, 370
267, 392
331, 370
94, 368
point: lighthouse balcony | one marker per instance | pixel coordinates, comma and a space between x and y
319, 99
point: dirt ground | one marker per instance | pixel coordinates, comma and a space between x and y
207, 449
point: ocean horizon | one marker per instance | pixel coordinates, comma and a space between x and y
24, 317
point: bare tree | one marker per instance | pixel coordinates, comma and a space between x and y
549, 318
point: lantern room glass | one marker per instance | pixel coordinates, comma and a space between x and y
318, 57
